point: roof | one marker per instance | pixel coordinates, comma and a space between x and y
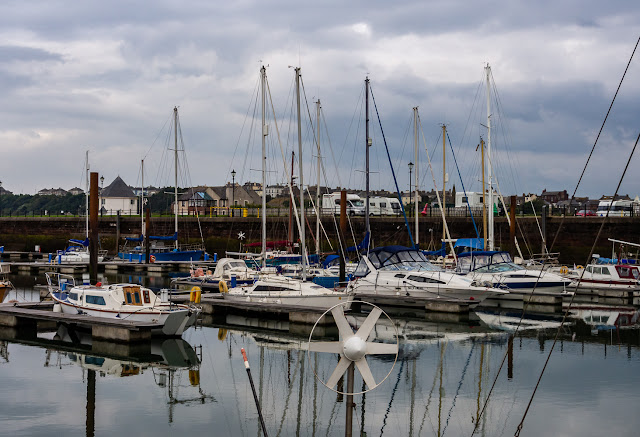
196, 192
117, 188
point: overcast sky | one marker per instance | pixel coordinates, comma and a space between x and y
105, 76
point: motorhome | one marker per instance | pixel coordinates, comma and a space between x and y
331, 204
384, 206
619, 208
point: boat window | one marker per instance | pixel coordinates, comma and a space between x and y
417, 278
362, 269
590, 269
270, 288
605, 271
399, 275
73, 296
146, 296
96, 361
128, 294
635, 272
96, 300
137, 298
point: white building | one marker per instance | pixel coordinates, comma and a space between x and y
118, 196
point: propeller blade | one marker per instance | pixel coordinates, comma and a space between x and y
343, 326
342, 366
369, 323
382, 348
325, 346
365, 371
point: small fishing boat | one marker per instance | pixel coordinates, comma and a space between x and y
278, 289
121, 301
612, 277
77, 252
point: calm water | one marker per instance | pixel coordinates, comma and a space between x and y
437, 387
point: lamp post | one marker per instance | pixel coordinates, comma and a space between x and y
410, 194
233, 190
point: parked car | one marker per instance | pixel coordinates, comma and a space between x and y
585, 213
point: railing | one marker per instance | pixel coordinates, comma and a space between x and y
240, 211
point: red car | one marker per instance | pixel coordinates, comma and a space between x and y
585, 213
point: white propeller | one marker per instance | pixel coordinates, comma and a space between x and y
354, 347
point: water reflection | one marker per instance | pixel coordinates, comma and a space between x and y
447, 365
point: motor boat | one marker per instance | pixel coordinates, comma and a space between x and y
226, 268
406, 273
120, 301
498, 269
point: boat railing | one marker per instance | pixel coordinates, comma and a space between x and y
59, 281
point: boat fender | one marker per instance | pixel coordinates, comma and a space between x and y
222, 287
195, 294
57, 308
564, 270
152, 258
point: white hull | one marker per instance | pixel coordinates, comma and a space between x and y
475, 294
325, 301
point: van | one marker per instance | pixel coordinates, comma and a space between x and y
619, 208
331, 204
384, 206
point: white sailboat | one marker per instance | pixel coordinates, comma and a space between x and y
277, 288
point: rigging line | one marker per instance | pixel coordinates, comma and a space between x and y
404, 213
473, 220
453, 404
318, 213
464, 133
596, 142
393, 394
524, 238
566, 314
157, 136
505, 131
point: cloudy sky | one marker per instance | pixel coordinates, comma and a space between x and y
105, 76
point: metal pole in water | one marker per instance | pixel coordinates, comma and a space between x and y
253, 389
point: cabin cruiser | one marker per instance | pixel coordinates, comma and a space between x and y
404, 272
287, 291
122, 301
613, 277
498, 269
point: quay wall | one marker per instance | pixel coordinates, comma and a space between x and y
225, 233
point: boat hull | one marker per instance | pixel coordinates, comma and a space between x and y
172, 323
172, 256
324, 301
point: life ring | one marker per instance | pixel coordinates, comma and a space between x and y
564, 270
152, 258
222, 287
579, 267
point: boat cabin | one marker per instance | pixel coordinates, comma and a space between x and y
394, 258
485, 261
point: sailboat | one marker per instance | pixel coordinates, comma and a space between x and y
164, 248
78, 251
280, 289
496, 267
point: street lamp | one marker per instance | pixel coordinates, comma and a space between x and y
233, 190
410, 194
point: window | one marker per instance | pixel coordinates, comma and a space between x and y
129, 301
95, 300
131, 202
383, 205
136, 295
465, 199
146, 296
73, 296
103, 201
399, 275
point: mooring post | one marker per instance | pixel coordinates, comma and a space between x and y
512, 224
348, 430
93, 226
118, 232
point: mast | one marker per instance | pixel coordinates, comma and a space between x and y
290, 235
444, 173
368, 144
489, 172
142, 199
265, 132
484, 197
86, 192
175, 155
415, 159
318, 106
303, 248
